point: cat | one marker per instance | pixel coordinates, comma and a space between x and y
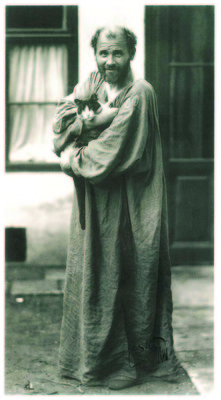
87, 110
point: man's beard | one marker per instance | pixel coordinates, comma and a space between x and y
114, 75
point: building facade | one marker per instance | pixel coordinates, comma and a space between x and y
47, 53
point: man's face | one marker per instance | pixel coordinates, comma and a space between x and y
112, 57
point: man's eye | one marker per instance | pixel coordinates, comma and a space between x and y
103, 53
118, 53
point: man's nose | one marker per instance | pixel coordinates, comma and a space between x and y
110, 60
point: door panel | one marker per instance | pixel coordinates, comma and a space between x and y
191, 119
191, 212
179, 64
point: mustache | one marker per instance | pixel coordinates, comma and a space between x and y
111, 68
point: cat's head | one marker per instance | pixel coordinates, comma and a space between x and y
89, 107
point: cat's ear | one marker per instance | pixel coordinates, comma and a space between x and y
77, 102
94, 97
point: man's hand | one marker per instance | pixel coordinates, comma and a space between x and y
105, 117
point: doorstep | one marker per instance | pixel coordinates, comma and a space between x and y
38, 287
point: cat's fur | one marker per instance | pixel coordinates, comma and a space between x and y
87, 110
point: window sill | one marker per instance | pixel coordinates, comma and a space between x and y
33, 167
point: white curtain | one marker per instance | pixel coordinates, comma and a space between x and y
36, 74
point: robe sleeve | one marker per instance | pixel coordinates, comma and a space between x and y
121, 146
68, 134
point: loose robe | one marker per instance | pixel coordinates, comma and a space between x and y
117, 318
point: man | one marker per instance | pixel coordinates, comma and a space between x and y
116, 327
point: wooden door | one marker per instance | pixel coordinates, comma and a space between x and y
179, 64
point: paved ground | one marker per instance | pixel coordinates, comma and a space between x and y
193, 322
33, 323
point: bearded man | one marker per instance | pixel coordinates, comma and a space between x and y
117, 318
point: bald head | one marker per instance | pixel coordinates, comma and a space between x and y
112, 32
116, 32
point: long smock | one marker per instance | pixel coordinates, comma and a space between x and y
117, 316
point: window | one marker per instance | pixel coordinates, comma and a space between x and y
41, 68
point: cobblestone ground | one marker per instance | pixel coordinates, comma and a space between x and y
32, 338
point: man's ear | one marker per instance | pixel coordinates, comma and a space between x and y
132, 57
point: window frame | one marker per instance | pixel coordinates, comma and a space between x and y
67, 35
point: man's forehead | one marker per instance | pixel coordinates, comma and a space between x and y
113, 35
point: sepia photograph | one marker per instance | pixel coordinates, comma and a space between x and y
109, 198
